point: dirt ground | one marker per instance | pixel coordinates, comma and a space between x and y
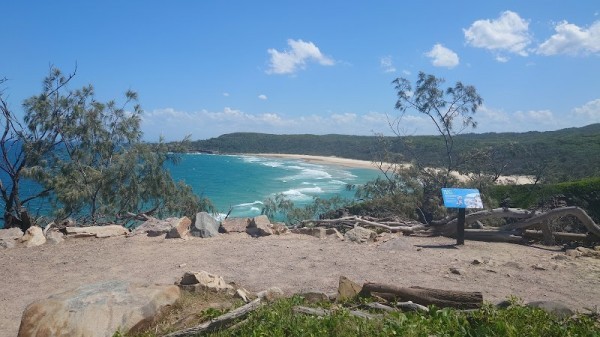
296, 263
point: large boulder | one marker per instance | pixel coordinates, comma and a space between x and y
180, 228
34, 236
202, 280
9, 237
154, 227
259, 226
205, 226
235, 225
97, 231
360, 235
97, 310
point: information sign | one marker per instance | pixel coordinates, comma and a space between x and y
461, 198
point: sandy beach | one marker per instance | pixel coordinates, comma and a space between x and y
356, 163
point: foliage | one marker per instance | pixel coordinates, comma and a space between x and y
283, 209
584, 193
278, 319
562, 155
94, 161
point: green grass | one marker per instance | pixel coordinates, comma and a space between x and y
278, 319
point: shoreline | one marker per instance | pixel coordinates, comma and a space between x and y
365, 164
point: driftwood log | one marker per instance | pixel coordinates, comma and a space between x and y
425, 296
219, 322
517, 232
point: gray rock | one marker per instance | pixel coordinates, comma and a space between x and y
180, 228
154, 227
97, 231
315, 296
54, 237
456, 271
271, 294
279, 228
557, 308
347, 289
9, 237
235, 225
202, 280
205, 226
97, 310
360, 235
259, 226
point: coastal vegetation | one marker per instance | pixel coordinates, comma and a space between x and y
554, 156
87, 158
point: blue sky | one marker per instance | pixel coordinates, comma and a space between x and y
206, 68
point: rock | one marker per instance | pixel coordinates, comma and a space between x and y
587, 252
259, 226
476, 262
514, 265
97, 231
243, 294
9, 237
456, 271
235, 225
54, 237
315, 297
334, 232
34, 236
279, 228
270, 294
154, 227
560, 257
557, 308
360, 235
538, 267
180, 229
573, 253
203, 280
97, 310
317, 232
205, 226
347, 289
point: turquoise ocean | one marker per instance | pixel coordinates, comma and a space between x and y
241, 182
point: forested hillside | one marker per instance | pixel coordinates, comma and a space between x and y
564, 154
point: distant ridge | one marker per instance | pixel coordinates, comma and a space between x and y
571, 153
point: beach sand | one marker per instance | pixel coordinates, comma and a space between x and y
356, 163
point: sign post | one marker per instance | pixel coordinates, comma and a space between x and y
461, 198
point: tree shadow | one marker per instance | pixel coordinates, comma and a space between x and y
453, 246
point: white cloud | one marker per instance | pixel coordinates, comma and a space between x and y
263, 97
572, 40
344, 118
387, 64
226, 94
294, 59
590, 111
507, 33
442, 56
502, 59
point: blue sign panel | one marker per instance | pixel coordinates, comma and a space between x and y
461, 198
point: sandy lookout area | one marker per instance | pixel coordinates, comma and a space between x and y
296, 262
355, 163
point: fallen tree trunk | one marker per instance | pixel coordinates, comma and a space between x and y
408, 228
539, 218
427, 296
219, 322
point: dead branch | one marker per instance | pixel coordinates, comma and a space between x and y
219, 322
427, 296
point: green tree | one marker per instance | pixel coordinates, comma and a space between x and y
451, 110
96, 165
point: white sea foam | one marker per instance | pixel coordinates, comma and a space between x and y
248, 204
